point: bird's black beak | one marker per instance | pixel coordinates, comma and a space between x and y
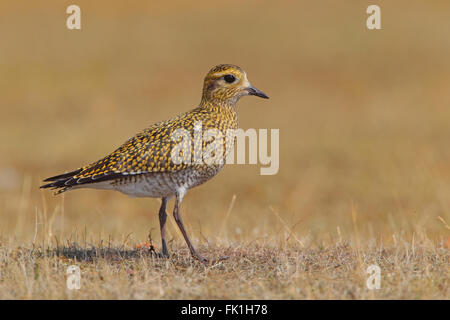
252, 91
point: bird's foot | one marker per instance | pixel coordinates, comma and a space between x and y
209, 261
163, 255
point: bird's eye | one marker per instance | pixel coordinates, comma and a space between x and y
229, 78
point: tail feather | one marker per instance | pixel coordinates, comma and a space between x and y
67, 181
59, 182
64, 175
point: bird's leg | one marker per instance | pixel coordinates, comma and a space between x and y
162, 225
177, 216
179, 221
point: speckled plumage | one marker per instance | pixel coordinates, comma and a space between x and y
148, 153
143, 165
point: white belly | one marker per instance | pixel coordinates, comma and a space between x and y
157, 185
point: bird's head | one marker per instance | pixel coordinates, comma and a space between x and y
227, 83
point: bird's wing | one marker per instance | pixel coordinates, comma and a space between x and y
148, 151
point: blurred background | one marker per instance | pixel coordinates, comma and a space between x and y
364, 115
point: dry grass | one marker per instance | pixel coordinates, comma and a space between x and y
364, 158
255, 270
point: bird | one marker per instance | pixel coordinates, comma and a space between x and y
146, 166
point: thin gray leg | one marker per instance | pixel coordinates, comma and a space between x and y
162, 225
177, 216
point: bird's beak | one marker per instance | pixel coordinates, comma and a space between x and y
252, 91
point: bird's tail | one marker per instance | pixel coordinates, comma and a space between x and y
59, 182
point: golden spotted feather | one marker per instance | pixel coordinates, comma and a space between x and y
150, 150
149, 153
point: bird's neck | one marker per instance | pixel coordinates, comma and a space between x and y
218, 105
222, 113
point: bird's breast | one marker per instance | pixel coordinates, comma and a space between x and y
165, 184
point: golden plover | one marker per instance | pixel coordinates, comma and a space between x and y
144, 166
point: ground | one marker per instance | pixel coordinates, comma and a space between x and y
254, 270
